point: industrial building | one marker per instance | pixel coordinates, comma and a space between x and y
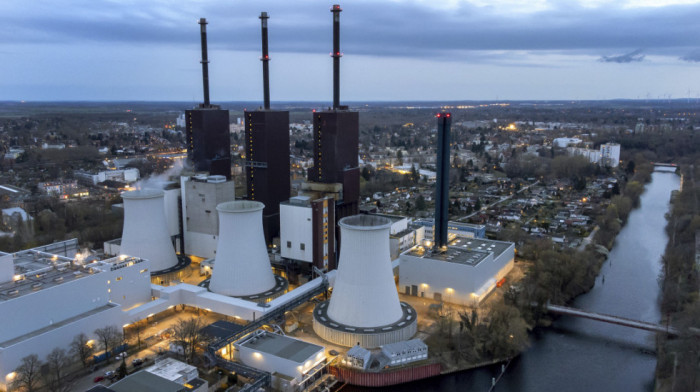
402, 353
267, 151
357, 357
200, 221
458, 229
120, 175
70, 296
462, 269
464, 274
403, 235
267, 164
207, 127
336, 171
307, 231
293, 363
167, 375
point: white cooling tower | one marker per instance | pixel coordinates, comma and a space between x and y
145, 232
242, 266
364, 294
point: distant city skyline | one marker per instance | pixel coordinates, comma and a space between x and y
394, 50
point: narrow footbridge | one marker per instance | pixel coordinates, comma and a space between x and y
612, 319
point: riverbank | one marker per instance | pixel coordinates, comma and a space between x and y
678, 358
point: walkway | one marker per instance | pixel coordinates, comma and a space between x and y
612, 319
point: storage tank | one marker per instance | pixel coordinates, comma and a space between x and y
145, 233
364, 307
242, 266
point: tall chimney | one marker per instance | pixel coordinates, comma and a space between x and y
265, 60
336, 55
205, 61
442, 185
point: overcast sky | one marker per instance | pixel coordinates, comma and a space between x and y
393, 49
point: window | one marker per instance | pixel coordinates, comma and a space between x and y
302, 246
289, 244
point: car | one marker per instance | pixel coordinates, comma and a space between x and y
109, 373
98, 379
137, 362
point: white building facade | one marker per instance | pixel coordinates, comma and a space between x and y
67, 297
464, 275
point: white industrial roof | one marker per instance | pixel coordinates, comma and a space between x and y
404, 347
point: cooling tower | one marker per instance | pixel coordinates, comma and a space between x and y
364, 294
242, 266
145, 232
364, 307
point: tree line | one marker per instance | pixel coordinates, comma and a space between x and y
678, 358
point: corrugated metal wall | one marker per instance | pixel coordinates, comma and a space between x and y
386, 378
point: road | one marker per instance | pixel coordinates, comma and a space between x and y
588, 239
501, 200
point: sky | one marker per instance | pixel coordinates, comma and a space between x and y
393, 50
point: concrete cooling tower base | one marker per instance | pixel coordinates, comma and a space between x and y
281, 286
348, 335
173, 274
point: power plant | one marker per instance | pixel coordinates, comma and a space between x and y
242, 266
234, 237
145, 233
364, 308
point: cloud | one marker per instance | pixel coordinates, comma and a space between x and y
631, 57
410, 28
692, 57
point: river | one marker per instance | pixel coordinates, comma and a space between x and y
584, 355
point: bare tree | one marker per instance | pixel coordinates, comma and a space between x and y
110, 337
136, 328
81, 347
27, 375
57, 362
186, 332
